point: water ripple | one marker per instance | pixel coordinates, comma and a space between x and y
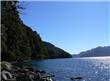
91, 69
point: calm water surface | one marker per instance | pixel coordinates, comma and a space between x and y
91, 68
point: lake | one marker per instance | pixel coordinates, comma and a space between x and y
90, 68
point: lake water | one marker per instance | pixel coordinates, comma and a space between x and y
90, 68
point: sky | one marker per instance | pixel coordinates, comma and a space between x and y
72, 26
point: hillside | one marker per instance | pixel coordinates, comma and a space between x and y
19, 41
55, 52
99, 51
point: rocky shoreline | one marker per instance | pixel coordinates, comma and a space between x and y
18, 72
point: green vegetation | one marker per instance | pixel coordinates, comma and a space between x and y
55, 52
19, 41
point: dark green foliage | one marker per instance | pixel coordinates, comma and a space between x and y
39, 51
19, 41
55, 52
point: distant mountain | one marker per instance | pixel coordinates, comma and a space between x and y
55, 52
75, 55
99, 51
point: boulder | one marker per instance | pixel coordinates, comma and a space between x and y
76, 78
49, 79
6, 66
6, 76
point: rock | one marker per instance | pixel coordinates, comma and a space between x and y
42, 71
49, 79
7, 76
6, 66
23, 73
76, 78
30, 68
46, 79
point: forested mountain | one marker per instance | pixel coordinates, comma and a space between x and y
19, 41
99, 51
55, 52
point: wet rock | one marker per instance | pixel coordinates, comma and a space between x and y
42, 71
31, 75
76, 78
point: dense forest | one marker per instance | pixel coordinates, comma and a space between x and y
55, 52
19, 41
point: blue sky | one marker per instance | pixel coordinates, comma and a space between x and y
72, 26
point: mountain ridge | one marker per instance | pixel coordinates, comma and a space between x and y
98, 51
